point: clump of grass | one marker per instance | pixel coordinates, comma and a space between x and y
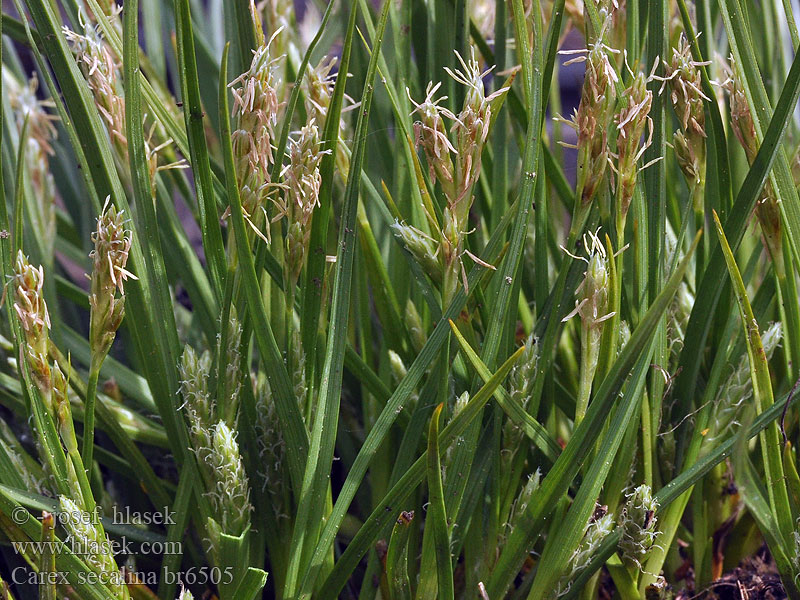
359, 320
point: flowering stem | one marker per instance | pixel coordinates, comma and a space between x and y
590, 349
88, 419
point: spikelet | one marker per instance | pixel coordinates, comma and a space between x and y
230, 495
687, 97
638, 521
198, 404
631, 121
301, 195
100, 68
89, 541
31, 309
422, 247
256, 107
737, 390
231, 379
522, 500
271, 449
599, 527
112, 243
767, 209
592, 308
592, 118
520, 387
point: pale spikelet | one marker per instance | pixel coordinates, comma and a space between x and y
520, 387
678, 318
737, 390
592, 302
592, 308
25, 103
422, 247
185, 594
459, 404
741, 118
631, 120
63, 410
431, 133
317, 88
767, 207
414, 323
592, 118
686, 88
686, 94
101, 70
638, 521
280, 18
522, 500
399, 372
112, 243
230, 495
483, 15
599, 527
198, 404
31, 308
301, 195
471, 129
256, 106
90, 542
230, 379
271, 449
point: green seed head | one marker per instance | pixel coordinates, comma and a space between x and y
231, 494
91, 543
638, 522
422, 247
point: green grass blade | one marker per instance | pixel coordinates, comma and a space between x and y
762, 395
437, 517
313, 495
405, 485
198, 149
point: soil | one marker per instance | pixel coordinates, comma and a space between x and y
756, 578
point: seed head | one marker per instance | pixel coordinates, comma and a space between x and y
737, 390
301, 195
638, 520
592, 118
31, 308
741, 118
422, 247
256, 105
597, 530
592, 293
683, 75
91, 543
521, 385
631, 121
25, 104
112, 243
471, 129
430, 133
101, 70
231, 494
198, 404
523, 499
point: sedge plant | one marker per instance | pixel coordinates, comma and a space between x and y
314, 301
